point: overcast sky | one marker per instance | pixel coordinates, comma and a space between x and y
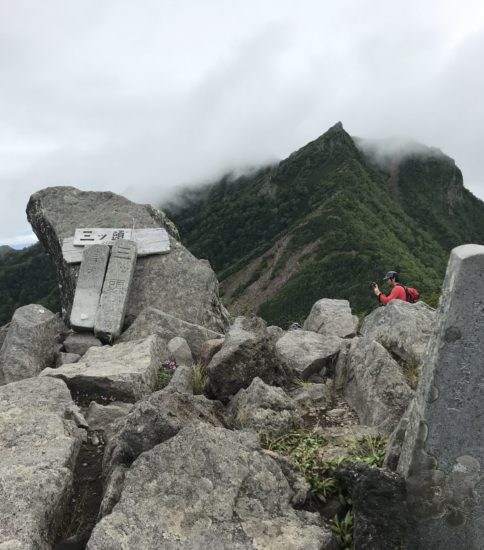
142, 97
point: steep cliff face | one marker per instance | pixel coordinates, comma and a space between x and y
329, 219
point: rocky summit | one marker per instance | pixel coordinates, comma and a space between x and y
182, 431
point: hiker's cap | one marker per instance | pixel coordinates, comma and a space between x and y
391, 275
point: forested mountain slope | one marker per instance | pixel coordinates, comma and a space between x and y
328, 220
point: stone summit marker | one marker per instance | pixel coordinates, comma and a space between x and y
89, 286
114, 298
443, 452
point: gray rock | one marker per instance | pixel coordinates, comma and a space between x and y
3, 333
275, 333
111, 310
182, 380
297, 482
332, 318
155, 321
66, 359
177, 282
396, 439
208, 488
99, 417
443, 453
155, 420
311, 396
112, 490
80, 343
248, 352
179, 351
126, 371
264, 409
38, 448
31, 344
402, 328
308, 353
209, 349
89, 286
375, 385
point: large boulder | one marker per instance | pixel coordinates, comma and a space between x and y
264, 409
375, 385
211, 488
332, 318
247, 352
156, 419
166, 326
39, 444
127, 371
31, 344
176, 282
402, 328
308, 353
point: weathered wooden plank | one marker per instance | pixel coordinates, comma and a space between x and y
114, 298
89, 286
152, 240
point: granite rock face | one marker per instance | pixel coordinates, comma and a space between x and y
208, 488
31, 344
38, 448
80, 343
127, 371
375, 386
332, 318
442, 453
247, 352
99, 417
176, 282
156, 419
155, 321
308, 353
402, 328
263, 408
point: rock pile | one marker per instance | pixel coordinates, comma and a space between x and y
181, 403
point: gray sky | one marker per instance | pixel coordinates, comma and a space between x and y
142, 97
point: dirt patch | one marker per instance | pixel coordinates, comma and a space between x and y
339, 414
86, 495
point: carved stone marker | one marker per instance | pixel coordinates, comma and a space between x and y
443, 452
114, 297
89, 286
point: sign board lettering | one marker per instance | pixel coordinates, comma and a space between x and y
98, 235
150, 240
88, 288
115, 293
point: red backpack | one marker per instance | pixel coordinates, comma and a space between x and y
411, 293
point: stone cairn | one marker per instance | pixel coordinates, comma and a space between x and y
444, 444
105, 276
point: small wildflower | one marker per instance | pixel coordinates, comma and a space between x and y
170, 365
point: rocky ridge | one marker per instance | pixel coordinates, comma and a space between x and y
196, 458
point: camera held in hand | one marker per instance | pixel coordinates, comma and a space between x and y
373, 285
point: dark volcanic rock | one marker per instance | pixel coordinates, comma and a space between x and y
379, 511
176, 282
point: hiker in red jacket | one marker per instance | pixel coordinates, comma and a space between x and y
397, 292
